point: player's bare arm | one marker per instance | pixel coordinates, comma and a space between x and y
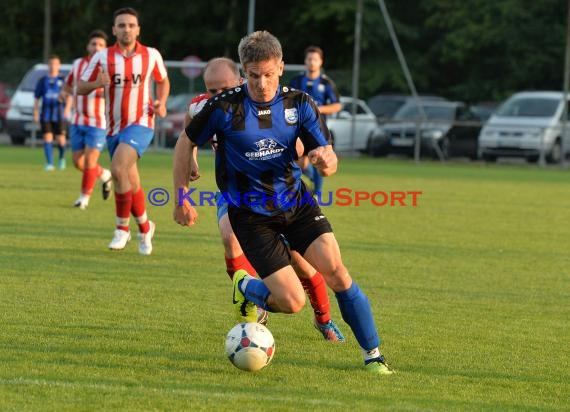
162, 92
324, 159
102, 80
330, 108
184, 213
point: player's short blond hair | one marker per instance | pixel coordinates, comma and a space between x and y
259, 46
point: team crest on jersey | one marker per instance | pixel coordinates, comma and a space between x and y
291, 116
265, 144
266, 149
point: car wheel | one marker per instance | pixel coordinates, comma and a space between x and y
18, 140
375, 150
555, 155
489, 158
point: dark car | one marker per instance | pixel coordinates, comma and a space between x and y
450, 126
385, 106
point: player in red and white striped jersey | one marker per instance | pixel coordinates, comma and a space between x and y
126, 70
87, 128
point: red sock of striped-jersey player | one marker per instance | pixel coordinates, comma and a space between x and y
139, 212
123, 203
89, 179
237, 263
316, 288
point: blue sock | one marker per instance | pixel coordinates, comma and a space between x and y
48, 152
257, 292
355, 310
317, 181
61, 151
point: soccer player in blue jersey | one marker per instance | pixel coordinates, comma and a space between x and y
221, 74
53, 112
324, 92
257, 125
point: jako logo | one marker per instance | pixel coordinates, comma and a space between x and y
263, 112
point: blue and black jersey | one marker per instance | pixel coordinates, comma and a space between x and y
322, 89
255, 161
48, 89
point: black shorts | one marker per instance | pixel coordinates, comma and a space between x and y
56, 128
260, 236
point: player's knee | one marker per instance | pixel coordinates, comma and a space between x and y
292, 303
338, 278
119, 173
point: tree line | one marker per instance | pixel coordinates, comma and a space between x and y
476, 50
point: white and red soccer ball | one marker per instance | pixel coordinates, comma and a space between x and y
250, 346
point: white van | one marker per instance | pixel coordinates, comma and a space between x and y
19, 119
528, 124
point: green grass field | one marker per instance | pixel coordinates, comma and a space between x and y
470, 289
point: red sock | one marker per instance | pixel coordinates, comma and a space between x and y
237, 263
316, 288
139, 212
88, 181
123, 203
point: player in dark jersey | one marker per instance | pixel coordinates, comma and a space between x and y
53, 112
324, 92
221, 74
257, 126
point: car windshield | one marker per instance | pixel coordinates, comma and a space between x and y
411, 111
529, 107
385, 107
31, 79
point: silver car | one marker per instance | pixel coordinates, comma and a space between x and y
340, 125
528, 124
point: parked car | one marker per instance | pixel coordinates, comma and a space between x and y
172, 124
5, 92
20, 114
527, 124
484, 110
452, 126
385, 106
340, 125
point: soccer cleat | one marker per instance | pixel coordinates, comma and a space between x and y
145, 244
49, 168
62, 165
120, 240
107, 187
262, 316
245, 310
378, 366
330, 331
81, 203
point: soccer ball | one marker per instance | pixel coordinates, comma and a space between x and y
250, 346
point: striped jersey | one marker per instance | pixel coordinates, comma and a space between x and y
197, 103
128, 99
255, 160
48, 89
88, 110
